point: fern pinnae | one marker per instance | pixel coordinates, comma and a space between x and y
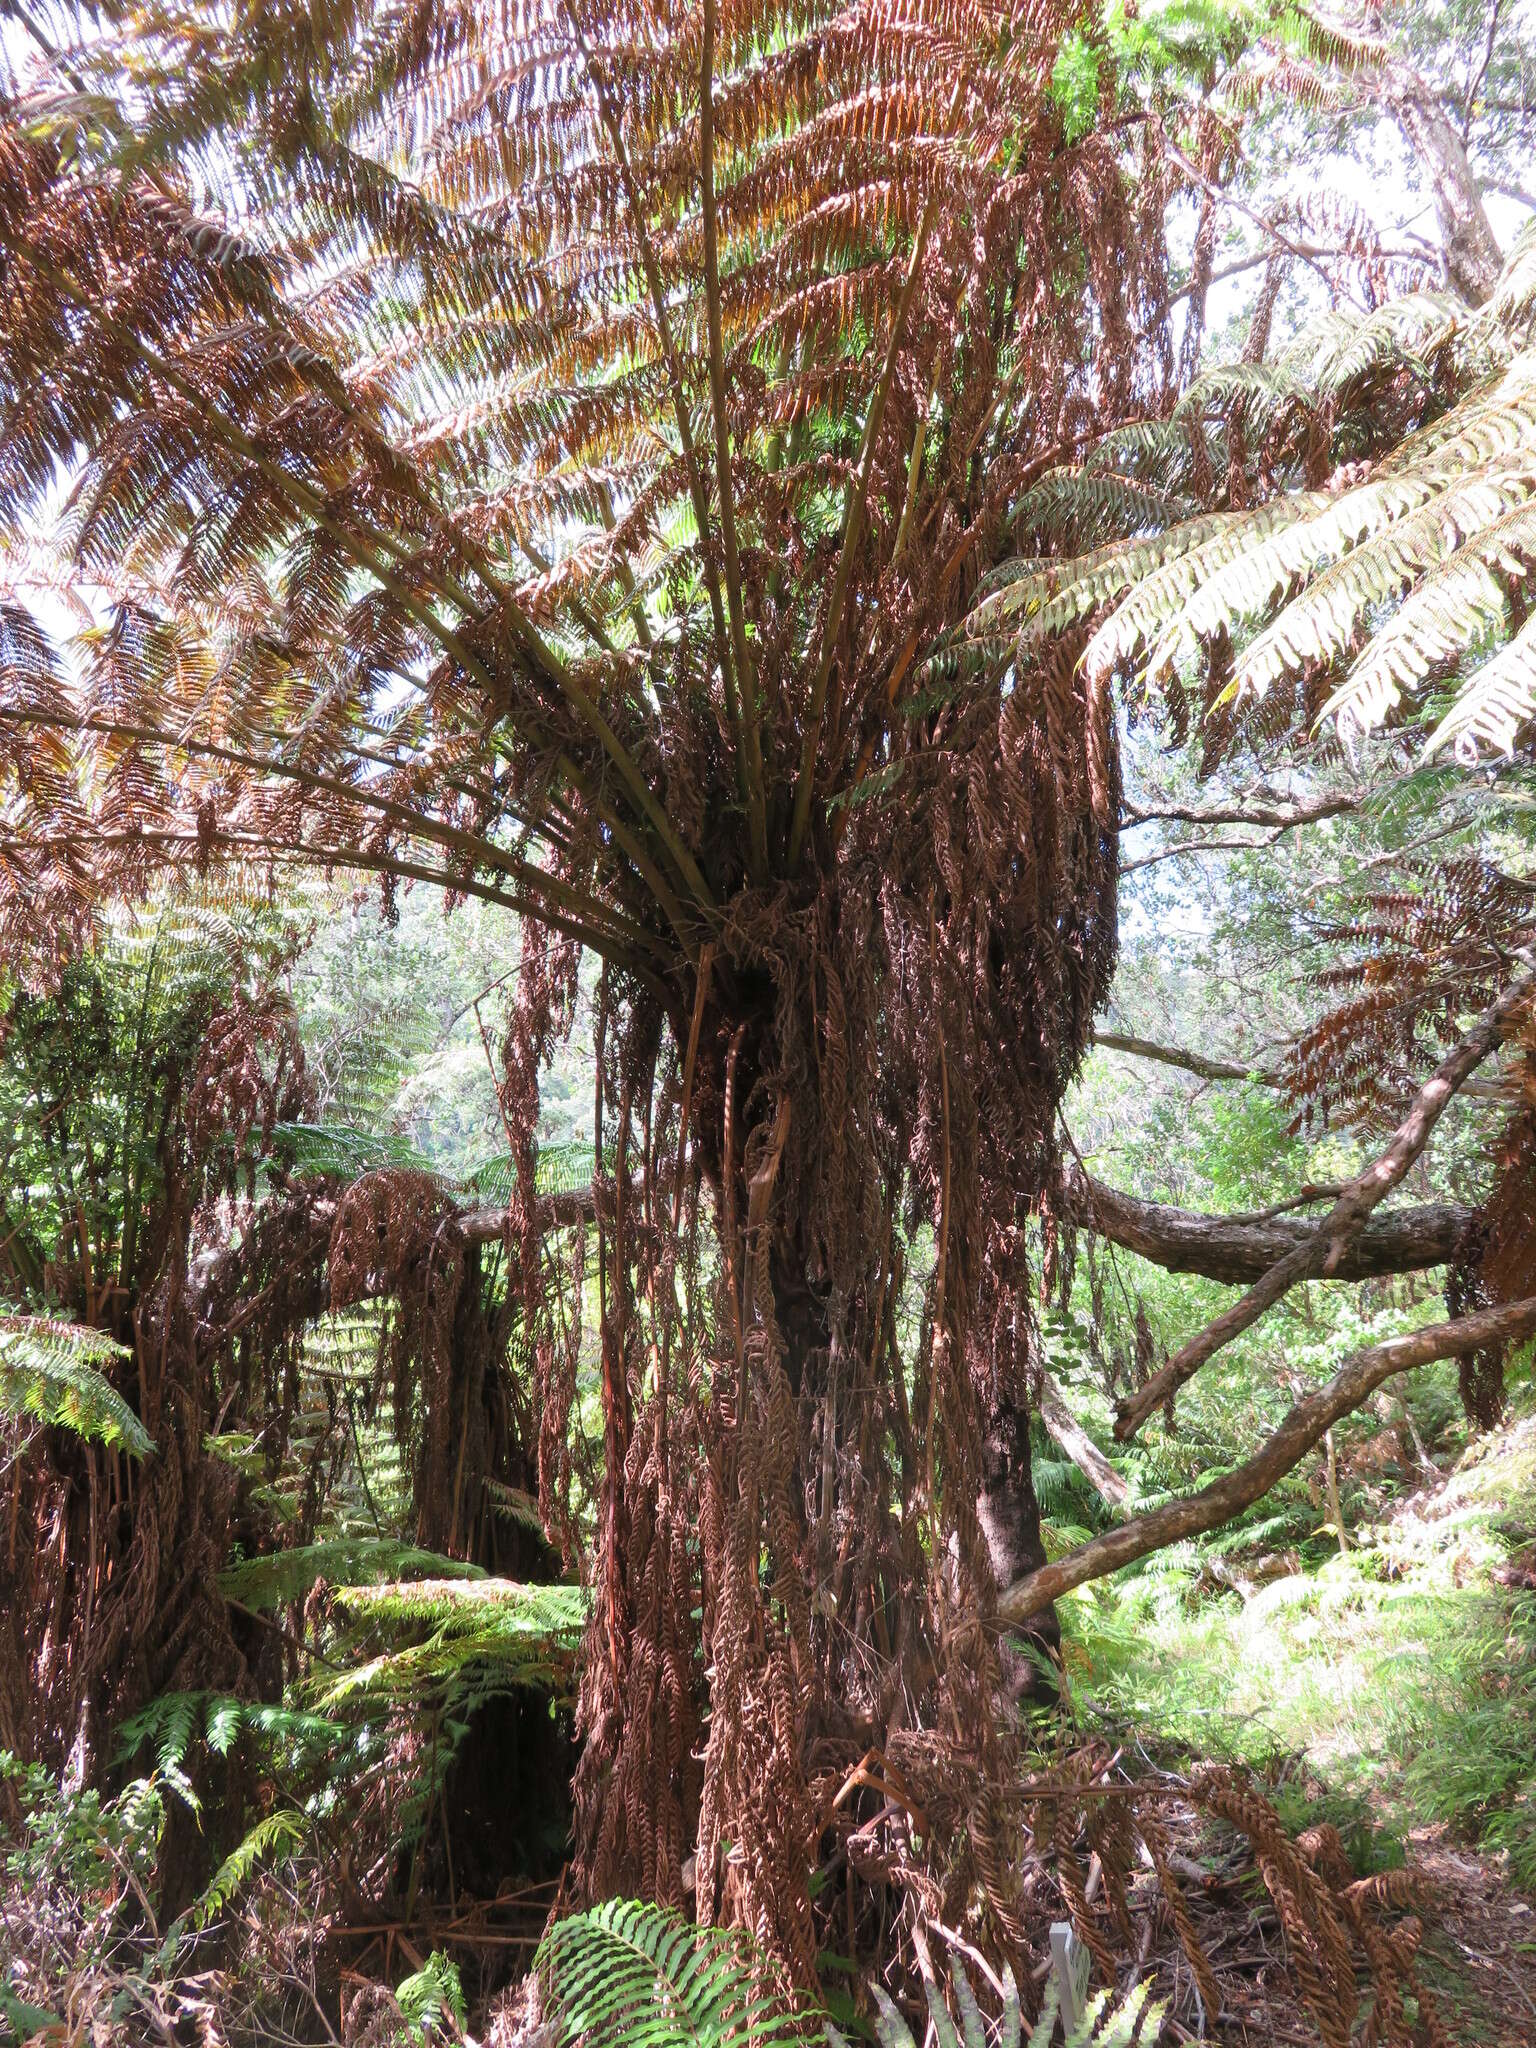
640, 1972
51, 1372
285, 1576
272, 1835
1165, 577
1462, 603
1322, 622
1496, 702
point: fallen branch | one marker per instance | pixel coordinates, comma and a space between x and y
1303, 1428
484, 1226
1323, 1248
1238, 1250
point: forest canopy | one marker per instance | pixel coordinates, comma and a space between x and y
765, 892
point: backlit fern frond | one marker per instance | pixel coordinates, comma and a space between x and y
1395, 565
1513, 304
466, 1639
1497, 701
1445, 554
286, 1576
629, 1975
1460, 606
55, 1372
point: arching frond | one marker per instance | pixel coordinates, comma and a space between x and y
1496, 703
1406, 557
463, 1640
55, 1372
287, 1576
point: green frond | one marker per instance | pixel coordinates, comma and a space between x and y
1262, 390
1400, 334
274, 1835
558, 1170
1051, 596
1407, 564
470, 1639
1083, 503
642, 1976
52, 1372
431, 1995
1259, 574
1447, 538
1326, 42
286, 1576
338, 1149
1170, 575
175, 1724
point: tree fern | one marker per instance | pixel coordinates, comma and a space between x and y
52, 1372
628, 1975
341, 1150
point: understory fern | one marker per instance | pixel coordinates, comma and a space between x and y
629, 1975
52, 1372
474, 1638
286, 1576
274, 1835
433, 1994
176, 1724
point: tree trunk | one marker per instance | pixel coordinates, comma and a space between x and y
1469, 250
1009, 1514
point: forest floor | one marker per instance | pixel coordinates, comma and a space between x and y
1480, 1943
1390, 1689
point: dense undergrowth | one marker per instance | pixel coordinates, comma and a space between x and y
1387, 1687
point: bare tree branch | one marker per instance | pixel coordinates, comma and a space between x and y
1305, 1426
1238, 1250
1207, 1068
1262, 811
1188, 1062
1070, 1437
1193, 846
1324, 1247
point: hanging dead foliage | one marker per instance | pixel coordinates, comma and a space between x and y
554, 486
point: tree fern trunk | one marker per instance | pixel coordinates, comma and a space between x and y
1009, 1513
